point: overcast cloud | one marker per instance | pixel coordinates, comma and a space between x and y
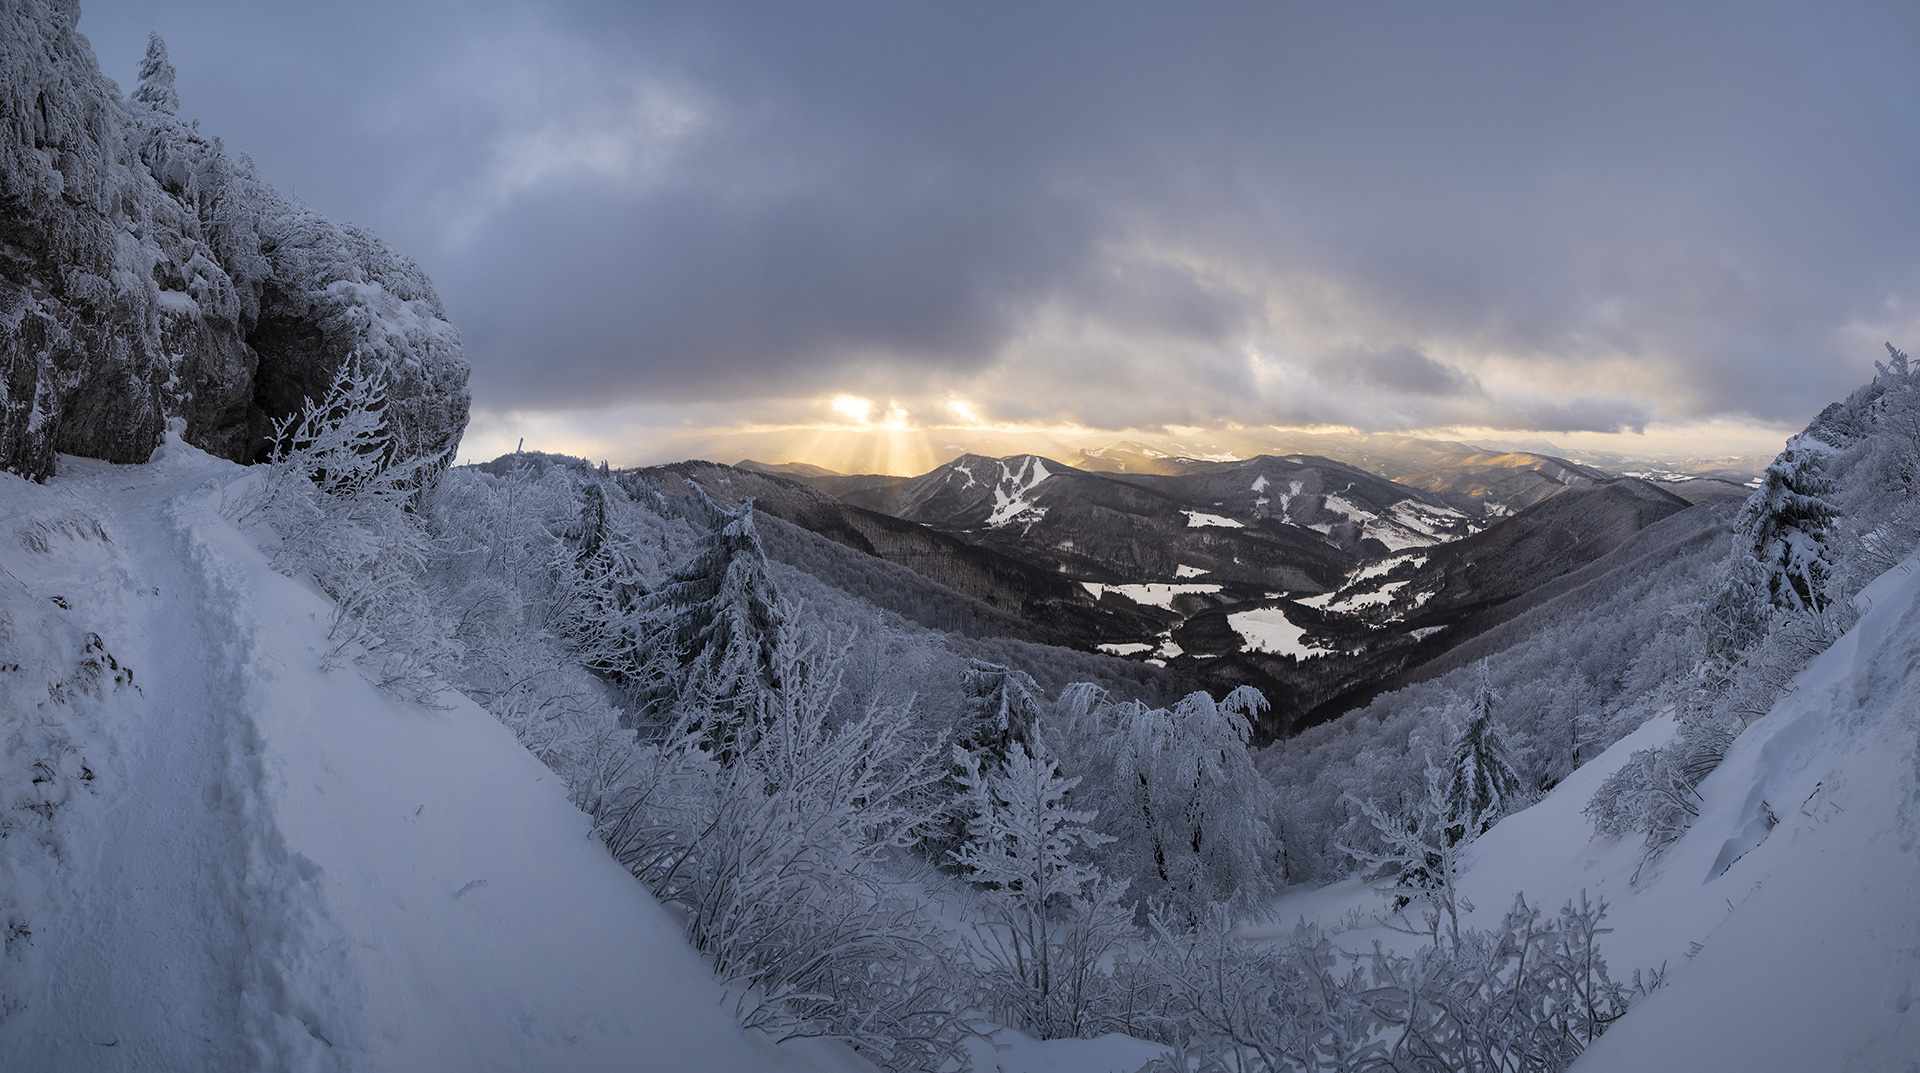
1514, 216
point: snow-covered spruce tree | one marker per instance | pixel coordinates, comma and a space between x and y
1784, 526
155, 89
713, 627
1049, 917
1000, 708
1177, 787
603, 590
1481, 784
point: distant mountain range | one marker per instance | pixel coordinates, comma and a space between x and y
1315, 579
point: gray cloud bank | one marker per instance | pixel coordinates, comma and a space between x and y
1518, 216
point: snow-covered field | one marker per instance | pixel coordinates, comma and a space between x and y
240, 860
1267, 629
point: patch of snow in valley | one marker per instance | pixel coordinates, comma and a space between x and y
1196, 519
1189, 571
1372, 598
1267, 629
1128, 648
1347, 510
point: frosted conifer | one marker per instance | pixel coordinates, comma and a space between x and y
156, 79
1784, 527
716, 624
1002, 706
1480, 781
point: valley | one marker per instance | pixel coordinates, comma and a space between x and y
1316, 580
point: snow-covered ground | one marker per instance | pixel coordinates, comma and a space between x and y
1197, 519
1267, 629
1790, 945
240, 860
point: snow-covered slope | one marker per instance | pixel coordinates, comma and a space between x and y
1788, 947
232, 858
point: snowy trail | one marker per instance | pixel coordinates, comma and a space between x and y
283, 868
172, 883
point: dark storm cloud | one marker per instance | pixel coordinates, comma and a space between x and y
1396, 368
623, 202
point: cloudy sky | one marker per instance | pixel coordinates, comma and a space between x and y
649, 221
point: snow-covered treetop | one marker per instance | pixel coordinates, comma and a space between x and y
156, 78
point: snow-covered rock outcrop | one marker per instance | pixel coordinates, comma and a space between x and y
145, 275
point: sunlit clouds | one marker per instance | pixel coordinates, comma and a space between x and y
888, 223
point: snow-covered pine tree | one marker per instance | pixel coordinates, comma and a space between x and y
1481, 783
156, 78
714, 627
1418, 855
1051, 918
1784, 528
604, 589
1001, 708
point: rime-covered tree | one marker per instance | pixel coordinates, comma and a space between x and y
1050, 917
713, 628
1001, 708
1481, 784
156, 78
603, 593
1784, 528
1178, 787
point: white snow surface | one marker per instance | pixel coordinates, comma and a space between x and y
1808, 932
1183, 570
279, 867
1267, 629
1197, 519
1010, 501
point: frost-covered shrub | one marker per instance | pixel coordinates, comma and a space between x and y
777, 858
1049, 920
1530, 995
339, 492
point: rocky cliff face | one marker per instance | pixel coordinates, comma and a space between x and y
147, 276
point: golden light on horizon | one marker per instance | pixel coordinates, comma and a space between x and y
854, 407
